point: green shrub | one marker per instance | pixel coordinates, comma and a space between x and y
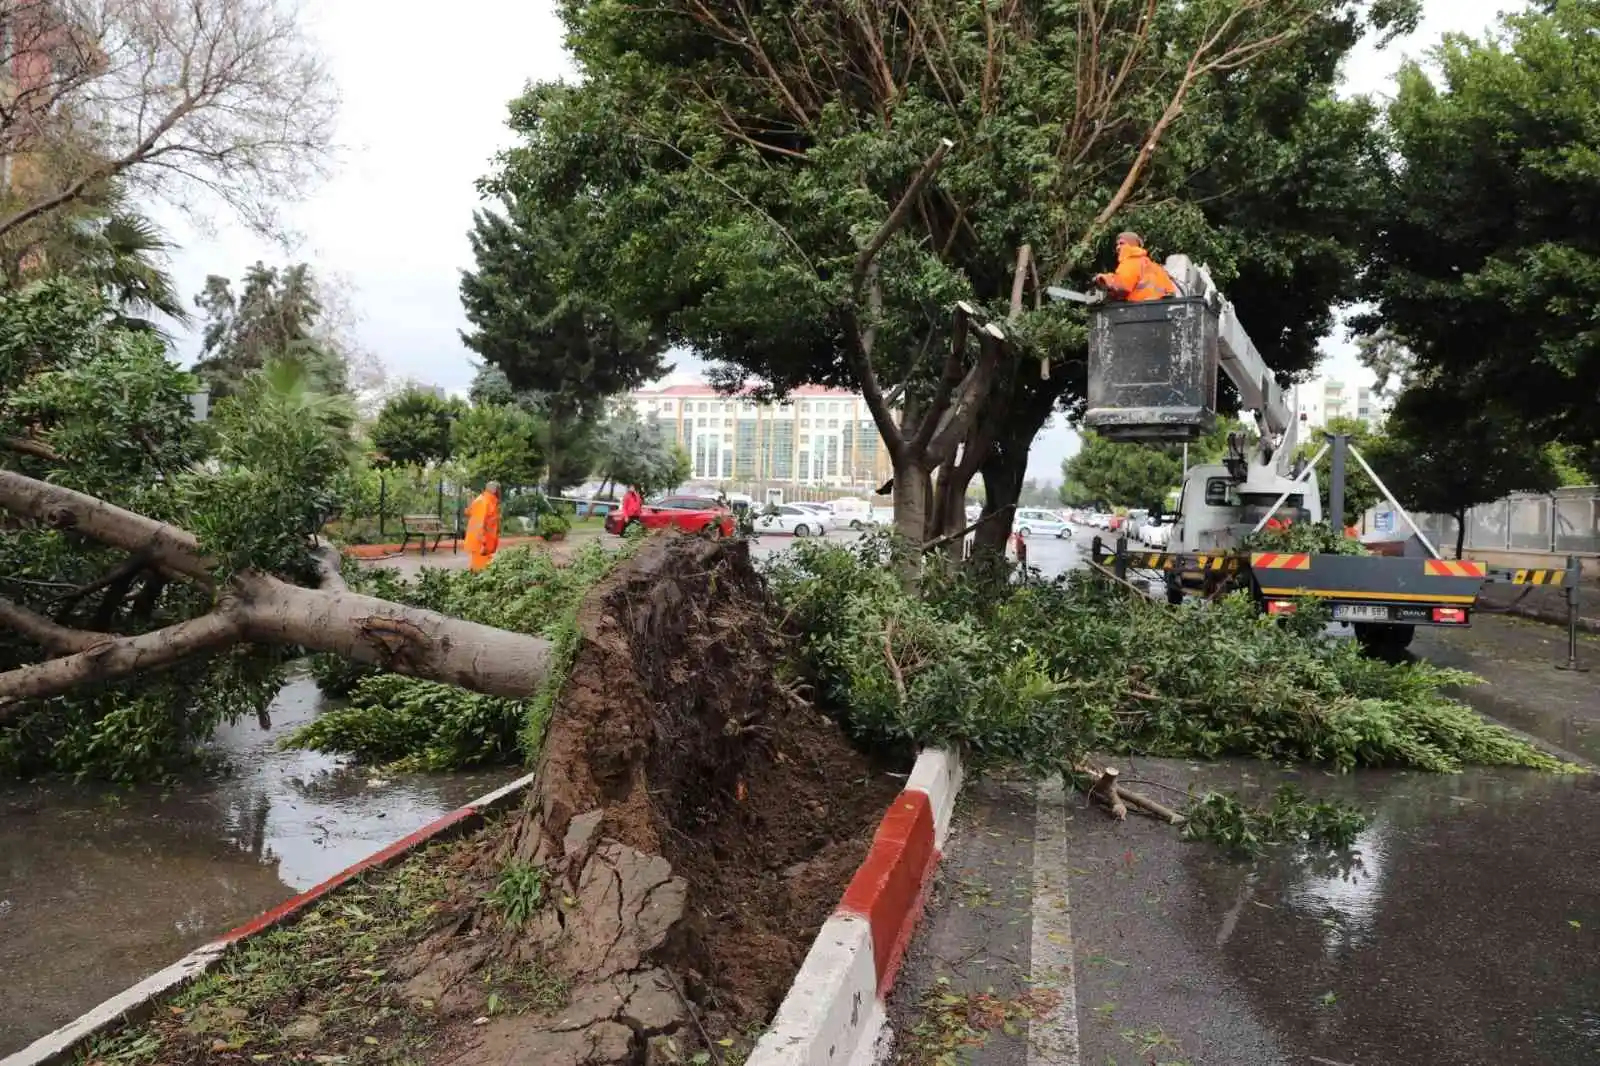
430, 726
1041, 674
552, 524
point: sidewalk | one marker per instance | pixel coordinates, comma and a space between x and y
1464, 935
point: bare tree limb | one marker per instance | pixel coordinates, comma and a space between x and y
116, 658
38, 449
897, 217
65, 509
53, 637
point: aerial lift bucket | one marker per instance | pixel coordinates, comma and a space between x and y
1153, 370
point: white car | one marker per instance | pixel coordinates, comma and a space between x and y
793, 519
1036, 522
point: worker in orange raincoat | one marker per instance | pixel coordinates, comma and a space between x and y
1137, 277
483, 526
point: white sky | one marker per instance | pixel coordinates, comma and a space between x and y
424, 104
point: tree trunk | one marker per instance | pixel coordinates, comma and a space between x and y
251, 606
1002, 487
406, 640
913, 500
1461, 532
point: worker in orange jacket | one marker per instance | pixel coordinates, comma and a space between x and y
1137, 277
483, 526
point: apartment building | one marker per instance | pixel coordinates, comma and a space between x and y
819, 437
1324, 399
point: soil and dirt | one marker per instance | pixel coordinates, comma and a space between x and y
693, 823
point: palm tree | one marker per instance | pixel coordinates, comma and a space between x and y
116, 249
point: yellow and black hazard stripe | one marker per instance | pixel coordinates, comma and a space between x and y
1538, 577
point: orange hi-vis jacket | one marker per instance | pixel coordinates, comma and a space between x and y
483, 529
1138, 277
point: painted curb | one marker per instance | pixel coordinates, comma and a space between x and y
136, 1002
834, 1012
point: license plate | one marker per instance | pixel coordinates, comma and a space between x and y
1360, 612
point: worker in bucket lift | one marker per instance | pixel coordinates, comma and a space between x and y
1137, 277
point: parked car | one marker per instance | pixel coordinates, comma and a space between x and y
1036, 522
1157, 534
688, 513
793, 519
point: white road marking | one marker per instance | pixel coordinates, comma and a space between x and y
1052, 1040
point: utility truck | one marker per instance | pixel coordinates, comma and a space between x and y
1153, 369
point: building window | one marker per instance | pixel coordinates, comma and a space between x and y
833, 423
805, 423
805, 438
666, 406
704, 407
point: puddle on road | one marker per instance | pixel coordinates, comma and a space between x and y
1467, 923
99, 888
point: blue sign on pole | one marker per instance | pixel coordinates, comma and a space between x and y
1383, 521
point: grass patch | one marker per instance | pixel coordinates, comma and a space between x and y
313, 990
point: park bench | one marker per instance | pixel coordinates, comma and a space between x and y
422, 526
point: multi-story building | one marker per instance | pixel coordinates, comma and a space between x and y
1325, 399
818, 437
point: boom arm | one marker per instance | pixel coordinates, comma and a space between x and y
1258, 389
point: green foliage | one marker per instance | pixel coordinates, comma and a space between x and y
114, 413
1312, 537
436, 727
725, 184
1291, 819
1446, 453
1113, 474
499, 443
552, 524
1045, 673
414, 428
274, 315
421, 725
519, 893
538, 318
639, 452
1489, 265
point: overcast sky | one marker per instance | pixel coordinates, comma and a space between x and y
424, 105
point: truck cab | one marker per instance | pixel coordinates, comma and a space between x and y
1215, 512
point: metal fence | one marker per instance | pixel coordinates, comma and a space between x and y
1566, 522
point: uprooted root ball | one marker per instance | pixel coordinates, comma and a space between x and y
693, 824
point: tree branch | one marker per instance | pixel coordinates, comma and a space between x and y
53, 637
897, 217
62, 508
28, 446
117, 657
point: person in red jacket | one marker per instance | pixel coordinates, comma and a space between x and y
632, 505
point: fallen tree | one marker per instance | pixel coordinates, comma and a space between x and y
156, 573
249, 606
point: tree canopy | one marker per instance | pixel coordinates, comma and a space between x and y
638, 452
1443, 456
1488, 267
769, 188
414, 428
274, 314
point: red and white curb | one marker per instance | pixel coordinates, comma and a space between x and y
137, 1002
834, 1013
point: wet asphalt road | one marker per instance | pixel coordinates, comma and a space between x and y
100, 887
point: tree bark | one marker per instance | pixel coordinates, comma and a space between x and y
1461, 532
913, 498
253, 607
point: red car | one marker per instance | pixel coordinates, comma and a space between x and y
691, 514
